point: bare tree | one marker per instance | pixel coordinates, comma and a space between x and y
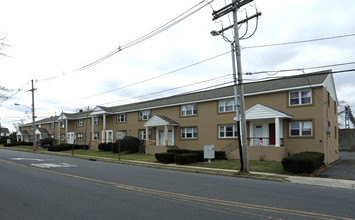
3, 46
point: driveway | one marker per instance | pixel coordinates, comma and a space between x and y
345, 169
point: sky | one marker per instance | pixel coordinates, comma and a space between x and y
52, 42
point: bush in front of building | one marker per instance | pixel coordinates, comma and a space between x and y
64, 147
165, 157
105, 147
128, 144
179, 151
18, 143
188, 158
304, 162
46, 142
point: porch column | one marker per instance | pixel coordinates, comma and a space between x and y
66, 129
59, 131
166, 130
146, 136
277, 132
104, 128
92, 129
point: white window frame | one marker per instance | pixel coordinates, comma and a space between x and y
299, 98
80, 136
122, 117
187, 110
188, 133
80, 122
144, 115
223, 131
96, 120
302, 127
52, 126
226, 105
62, 125
120, 135
96, 136
141, 134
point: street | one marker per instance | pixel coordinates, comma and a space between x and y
40, 186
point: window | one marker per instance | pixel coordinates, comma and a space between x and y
144, 115
52, 126
96, 135
61, 124
300, 97
96, 120
302, 128
120, 135
80, 122
142, 134
121, 118
227, 105
189, 133
227, 131
188, 110
80, 136
62, 137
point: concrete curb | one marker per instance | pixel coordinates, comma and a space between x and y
318, 181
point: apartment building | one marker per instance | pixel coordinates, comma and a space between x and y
284, 116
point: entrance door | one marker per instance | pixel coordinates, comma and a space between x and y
70, 138
258, 135
272, 133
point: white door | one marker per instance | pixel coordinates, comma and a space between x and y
70, 138
171, 137
161, 137
258, 135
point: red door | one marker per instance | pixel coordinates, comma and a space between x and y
272, 133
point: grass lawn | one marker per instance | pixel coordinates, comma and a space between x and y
258, 166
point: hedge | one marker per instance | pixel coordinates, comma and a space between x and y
128, 144
165, 157
304, 162
63, 147
187, 158
179, 151
105, 147
18, 143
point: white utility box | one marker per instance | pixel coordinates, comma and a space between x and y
208, 152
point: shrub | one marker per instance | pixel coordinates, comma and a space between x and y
304, 162
165, 157
46, 142
18, 143
187, 158
179, 151
128, 144
220, 155
63, 147
106, 146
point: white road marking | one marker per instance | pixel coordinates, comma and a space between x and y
27, 159
52, 165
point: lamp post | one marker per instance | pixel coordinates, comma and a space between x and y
33, 123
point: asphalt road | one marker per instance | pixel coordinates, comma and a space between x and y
39, 186
344, 169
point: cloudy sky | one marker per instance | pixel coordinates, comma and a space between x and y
51, 42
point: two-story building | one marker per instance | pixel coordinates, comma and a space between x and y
284, 116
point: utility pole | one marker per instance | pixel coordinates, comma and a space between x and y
33, 116
241, 93
233, 7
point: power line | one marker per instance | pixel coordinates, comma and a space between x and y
149, 35
298, 42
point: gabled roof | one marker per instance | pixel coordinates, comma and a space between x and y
5, 130
259, 111
22, 132
159, 120
269, 86
41, 131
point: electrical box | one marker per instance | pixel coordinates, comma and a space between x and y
208, 152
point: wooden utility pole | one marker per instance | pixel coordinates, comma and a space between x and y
233, 7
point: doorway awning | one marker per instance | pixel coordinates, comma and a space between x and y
259, 111
159, 120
